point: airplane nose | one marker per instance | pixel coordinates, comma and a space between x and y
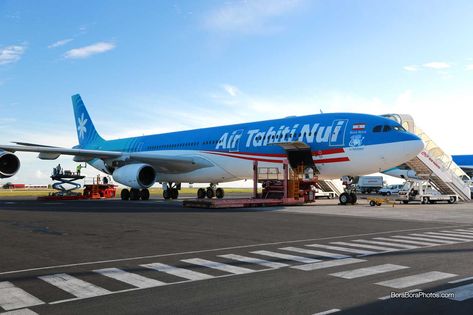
413, 145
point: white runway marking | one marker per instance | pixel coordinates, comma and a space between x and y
345, 249
130, 278
461, 280
218, 266
24, 311
424, 238
409, 281
363, 272
384, 249
301, 259
220, 249
328, 264
436, 236
315, 252
467, 237
406, 241
387, 244
462, 293
459, 232
464, 231
74, 286
333, 310
180, 272
257, 261
12, 297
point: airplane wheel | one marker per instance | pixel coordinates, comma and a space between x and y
210, 193
219, 193
174, 193
167, 194
134, 194
125, 194
144, 194
201, 193
344, 198
353, 198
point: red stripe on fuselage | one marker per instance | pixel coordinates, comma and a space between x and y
282, 155
329, 151
257, 158
332, 160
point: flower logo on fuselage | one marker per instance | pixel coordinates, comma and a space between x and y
81, 126
356, 141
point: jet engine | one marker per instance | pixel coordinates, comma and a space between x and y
136, 176
9, 164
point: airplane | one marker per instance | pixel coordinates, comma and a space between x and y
333, 144
465, 162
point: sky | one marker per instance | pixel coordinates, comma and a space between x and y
146, 67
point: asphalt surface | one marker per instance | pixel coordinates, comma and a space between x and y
155, 257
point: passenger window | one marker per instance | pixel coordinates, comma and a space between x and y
377, 128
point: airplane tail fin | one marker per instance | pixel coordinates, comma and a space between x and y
86, 132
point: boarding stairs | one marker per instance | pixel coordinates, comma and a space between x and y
433, 164
331, 186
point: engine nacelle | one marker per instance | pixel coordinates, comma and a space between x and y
9, 164
135, 175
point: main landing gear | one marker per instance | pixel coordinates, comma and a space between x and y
134, 194
171, 191
210, 192
349, 196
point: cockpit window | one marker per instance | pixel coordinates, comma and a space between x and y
377, 128
399, 128
387, 128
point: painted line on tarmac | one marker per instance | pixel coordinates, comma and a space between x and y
409, 281
139, 289
224, 248
333, 310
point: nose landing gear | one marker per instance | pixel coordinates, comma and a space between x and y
349, 196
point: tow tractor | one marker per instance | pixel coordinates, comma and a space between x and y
422, 191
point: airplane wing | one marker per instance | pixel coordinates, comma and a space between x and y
164, 163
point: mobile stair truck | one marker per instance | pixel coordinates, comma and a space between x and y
422, 191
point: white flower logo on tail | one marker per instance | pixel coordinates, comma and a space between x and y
81, 128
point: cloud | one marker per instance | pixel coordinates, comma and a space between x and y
411, 68
231, 89
61, 42
248, 16
436, 65
10, 54
469, 67
87, 51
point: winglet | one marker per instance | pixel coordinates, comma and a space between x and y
86, 132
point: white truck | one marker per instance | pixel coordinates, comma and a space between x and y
422, 191
390, 189
369, 184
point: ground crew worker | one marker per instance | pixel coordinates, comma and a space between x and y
78, 168
59, 169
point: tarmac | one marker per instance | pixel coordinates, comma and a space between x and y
156, 257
